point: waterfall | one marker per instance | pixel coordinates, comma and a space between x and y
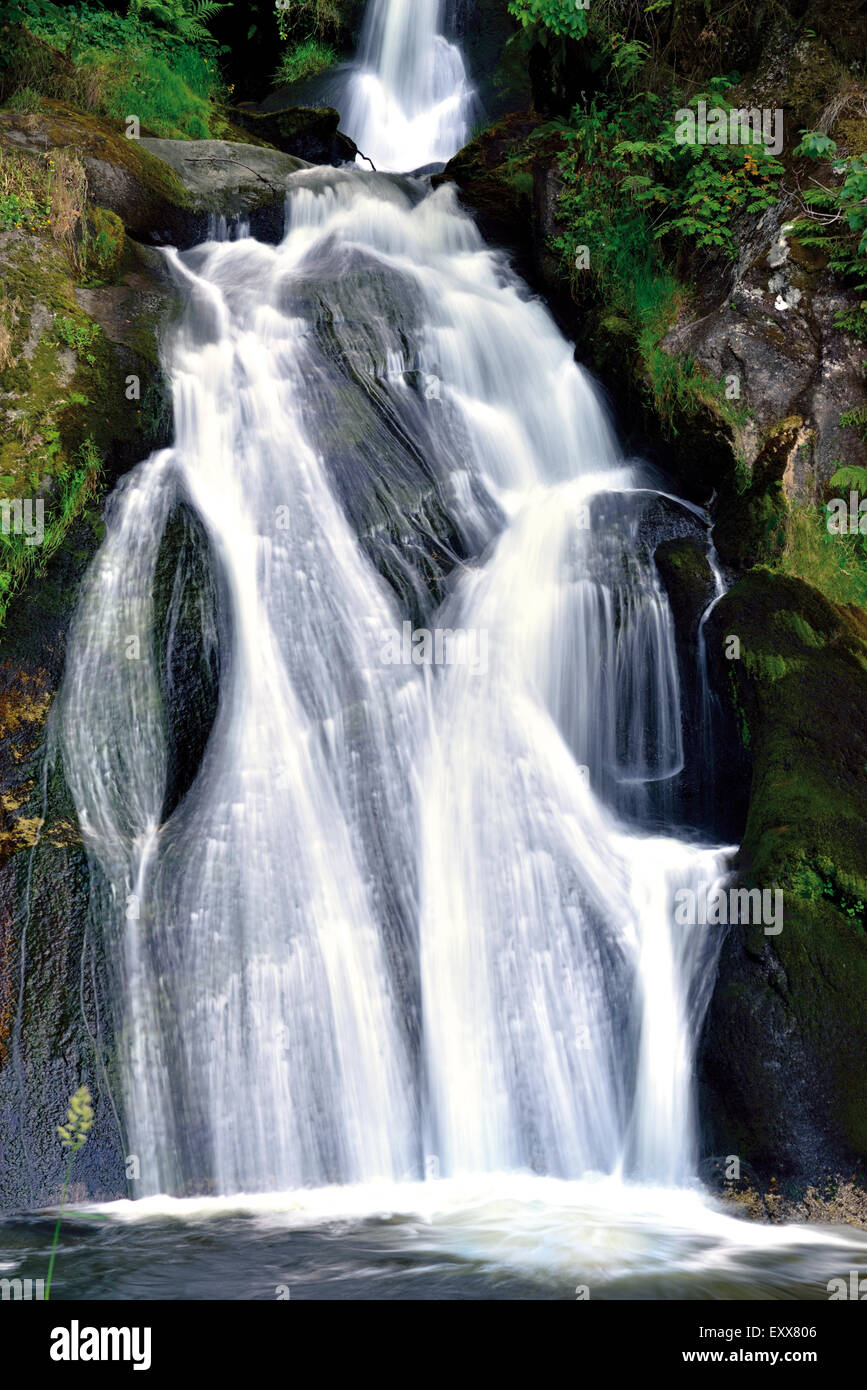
405, 906
560, 1000
258, 1030
409, 99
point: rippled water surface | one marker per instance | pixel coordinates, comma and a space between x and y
486, 1238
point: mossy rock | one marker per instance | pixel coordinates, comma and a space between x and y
750, 527
783, 1060
105, 244
82, 393
163, 191
72, 353
804, 83
689, 582
494, 174
121, 175
310, 133
223, 179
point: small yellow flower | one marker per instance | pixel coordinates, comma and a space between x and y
79, 1118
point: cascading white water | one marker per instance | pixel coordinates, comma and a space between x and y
560, 1002
409, 100
400, 910
256, 1004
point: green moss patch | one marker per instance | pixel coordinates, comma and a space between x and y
799, 689
66, 421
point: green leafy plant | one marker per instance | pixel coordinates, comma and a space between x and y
851, 475
846, 203
186, 20
631, 194
17, 210
627, 58
26, 11
697, 191
79, 336
836, 222
25, 99
75, 484
115, 64
25, 200
304, 60
73, 1137
857, 420
310, 29
816, 145
562, 18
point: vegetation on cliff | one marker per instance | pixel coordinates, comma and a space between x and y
73, 396
116, 65
719, 285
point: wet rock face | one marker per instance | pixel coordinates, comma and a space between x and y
225, 179
187, 611
53, 1000
82, 395
688, 580
782, 1064
307, 132
502, 82
715, 781
376, 439
689, 585
497, 187
773, 335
